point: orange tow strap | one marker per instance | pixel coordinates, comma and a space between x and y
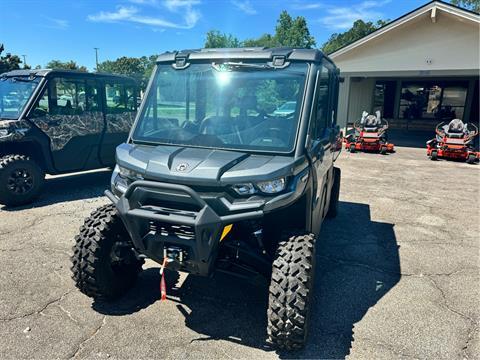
163, 287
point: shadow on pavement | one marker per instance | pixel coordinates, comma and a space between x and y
145, 292
358, 264
69, 188
412, 139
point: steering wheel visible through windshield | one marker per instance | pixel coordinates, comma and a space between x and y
240, 106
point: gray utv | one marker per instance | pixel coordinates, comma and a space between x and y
228, 167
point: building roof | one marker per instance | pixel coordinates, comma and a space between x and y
433, 7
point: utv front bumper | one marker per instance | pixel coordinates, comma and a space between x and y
184, 223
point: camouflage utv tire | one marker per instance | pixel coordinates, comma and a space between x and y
21, 180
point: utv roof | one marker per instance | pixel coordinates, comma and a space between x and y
45, 72
252, 53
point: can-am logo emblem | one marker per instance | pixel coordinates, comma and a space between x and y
182, 167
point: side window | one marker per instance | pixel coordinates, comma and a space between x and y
67, 97
42, 106
322, 108
92, 96
120, 98
131, 98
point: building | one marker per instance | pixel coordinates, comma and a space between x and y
418, 70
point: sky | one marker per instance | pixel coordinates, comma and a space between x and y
70, 30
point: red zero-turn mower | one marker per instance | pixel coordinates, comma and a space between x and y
454, 141
370, 135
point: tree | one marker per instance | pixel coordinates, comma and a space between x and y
68, 65
473, 5
266, 40
9, 62
138, 68
216, 39
358, 30
291, 32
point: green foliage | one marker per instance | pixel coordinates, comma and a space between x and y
358, 30
266, 40
138, 68
473, 5
67, 65
291, 32
9, 62
216, 39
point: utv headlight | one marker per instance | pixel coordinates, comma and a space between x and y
244, 189
273, 186
128, 174
123, 177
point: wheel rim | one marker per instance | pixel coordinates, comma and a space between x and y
121, 256
20, 181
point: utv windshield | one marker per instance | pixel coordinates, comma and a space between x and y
229, 105
14, 95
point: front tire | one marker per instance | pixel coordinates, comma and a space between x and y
21, 180
352, 148
471, 159
104, 265
291, 292
434, 155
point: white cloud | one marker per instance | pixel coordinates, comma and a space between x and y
174, 5
184, 8
60, 24
342, 17
307, 6
144, 2
244, 6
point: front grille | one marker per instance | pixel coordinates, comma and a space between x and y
181, 231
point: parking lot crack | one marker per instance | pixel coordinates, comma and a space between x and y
467, 343
473, 324
39, 311
89, 338
348, 262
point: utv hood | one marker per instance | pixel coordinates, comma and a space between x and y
198, 166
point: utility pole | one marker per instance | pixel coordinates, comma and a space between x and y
24, 60
96, 58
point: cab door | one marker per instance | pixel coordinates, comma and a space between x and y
120, 98
69, 113
320, 147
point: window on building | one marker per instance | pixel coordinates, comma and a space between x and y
384, 98
453, 101
433, 100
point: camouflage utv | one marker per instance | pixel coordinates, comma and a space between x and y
58, 121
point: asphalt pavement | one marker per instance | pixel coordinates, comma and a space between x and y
398, 277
